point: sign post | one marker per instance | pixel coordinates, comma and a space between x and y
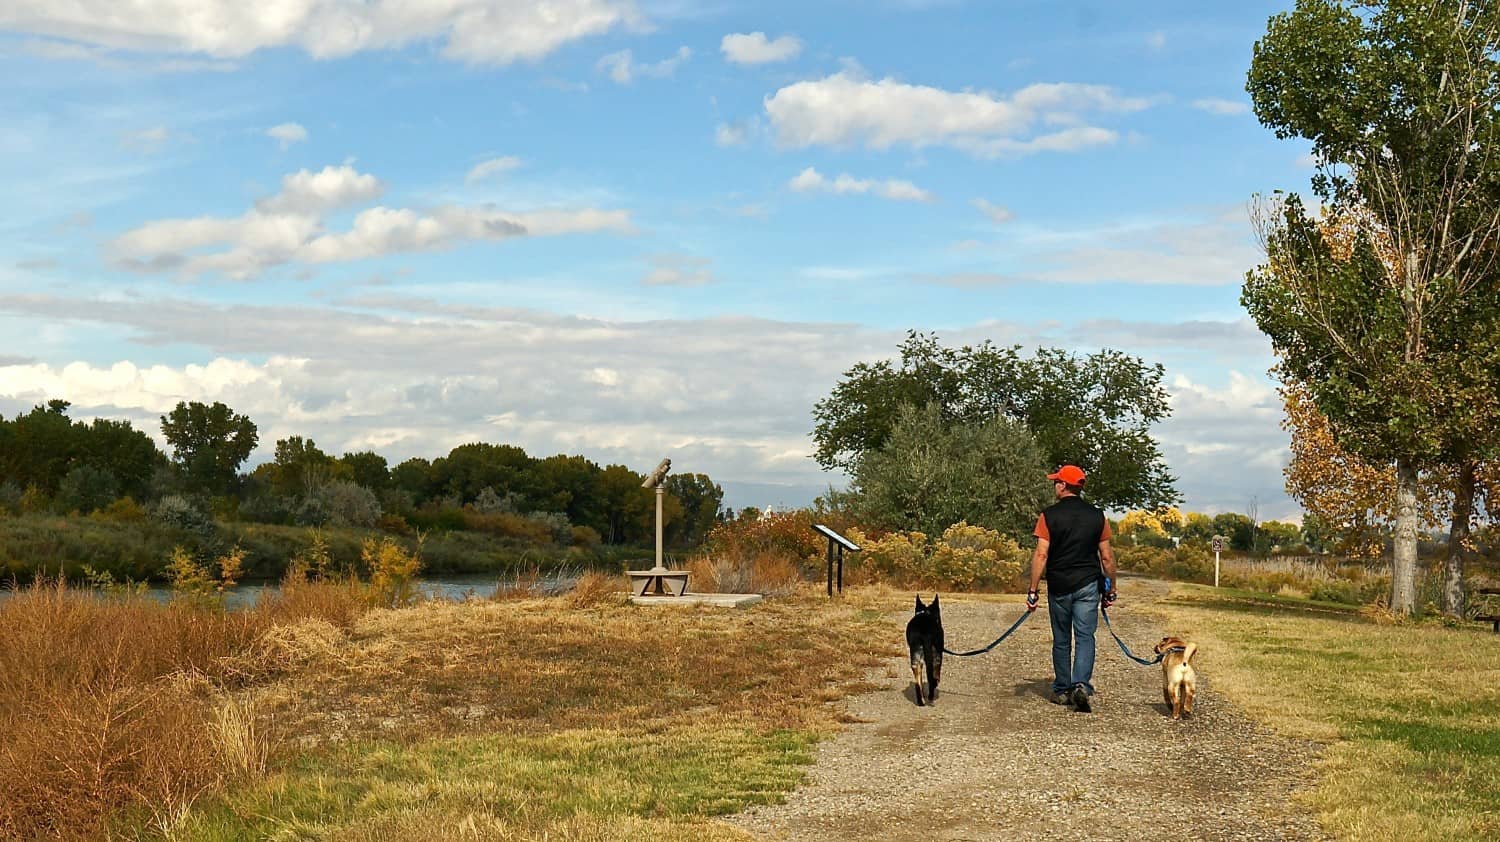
1218, 544
836, 546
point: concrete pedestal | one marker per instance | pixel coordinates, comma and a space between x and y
658, 581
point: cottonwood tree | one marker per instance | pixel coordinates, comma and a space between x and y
1094, 411
1399, 99
209, 443
1354, 500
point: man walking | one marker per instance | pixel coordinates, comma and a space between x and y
1072, 546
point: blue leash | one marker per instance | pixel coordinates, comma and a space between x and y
1013, 627
1123, 647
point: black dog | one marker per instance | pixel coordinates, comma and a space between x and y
924, 638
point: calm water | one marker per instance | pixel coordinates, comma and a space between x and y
471, 586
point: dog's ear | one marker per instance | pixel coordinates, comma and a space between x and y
920, 606
935, 604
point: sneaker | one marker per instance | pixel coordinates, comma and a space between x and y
1061, 698
1081, 700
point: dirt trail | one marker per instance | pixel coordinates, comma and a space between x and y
994, 759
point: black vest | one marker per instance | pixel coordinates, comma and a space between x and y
1075, 528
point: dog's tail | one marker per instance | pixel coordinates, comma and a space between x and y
1188, 652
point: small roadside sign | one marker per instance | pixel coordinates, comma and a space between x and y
1218, 543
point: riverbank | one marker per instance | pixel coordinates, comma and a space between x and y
141, 549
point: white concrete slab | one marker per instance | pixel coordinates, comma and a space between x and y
722, 600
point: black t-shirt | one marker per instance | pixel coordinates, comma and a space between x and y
1073, 530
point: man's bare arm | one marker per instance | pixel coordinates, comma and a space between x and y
1039, 563
1107, 558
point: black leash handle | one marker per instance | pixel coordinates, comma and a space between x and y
1013, 627
1123, 647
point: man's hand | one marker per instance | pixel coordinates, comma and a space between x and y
1031, 599
1109, 597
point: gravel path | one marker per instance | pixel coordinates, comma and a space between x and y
994, 759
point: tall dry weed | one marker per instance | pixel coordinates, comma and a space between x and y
523, 583
768, 573
116, 702
595, 589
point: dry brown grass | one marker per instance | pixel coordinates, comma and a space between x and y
542, 665
769, 573
112, 702
596, 589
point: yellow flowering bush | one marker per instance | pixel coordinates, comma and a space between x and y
966, 557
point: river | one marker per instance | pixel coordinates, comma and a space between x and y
456, 587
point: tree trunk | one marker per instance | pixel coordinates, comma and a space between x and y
1458, 540
1404, 555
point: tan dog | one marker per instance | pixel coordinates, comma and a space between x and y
1179, 681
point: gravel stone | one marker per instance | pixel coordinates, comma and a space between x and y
994, 759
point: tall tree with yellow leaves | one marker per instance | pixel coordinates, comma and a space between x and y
1401, 101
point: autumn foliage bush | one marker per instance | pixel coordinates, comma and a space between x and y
769, 554
965, 557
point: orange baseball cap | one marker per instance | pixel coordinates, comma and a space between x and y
1070, 474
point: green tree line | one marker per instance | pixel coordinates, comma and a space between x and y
52, 463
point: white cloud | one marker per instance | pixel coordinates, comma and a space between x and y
754, 48
289, 227
731, 134
1225, 445
475, 31
996, 213
115, 60
846, 109
679, 270
287, 134
967, 280
332, 187
148, 140
494, 166
438, 375
412, 377
1156, 40
810, 180
1224, 107
1191, 252
622, 67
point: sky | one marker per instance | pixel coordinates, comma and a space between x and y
629, 230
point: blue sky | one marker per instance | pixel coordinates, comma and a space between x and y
627, 230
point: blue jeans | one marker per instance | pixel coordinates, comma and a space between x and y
1075, 618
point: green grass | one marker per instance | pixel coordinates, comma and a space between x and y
1410, 712
533, 787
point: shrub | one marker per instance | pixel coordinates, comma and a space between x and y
313, 511
559, 530
1191, 564
965, 557
349, 504
179, 512
394, 524
10, 497
204, 582
586, 537
34, 501
392, 571
86, 488
269, 508
1143, 559
973, 556
123, 510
